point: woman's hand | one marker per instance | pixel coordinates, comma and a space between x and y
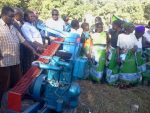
134, 49
118, 61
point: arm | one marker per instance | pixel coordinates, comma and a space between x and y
27, 34
118, 51
145, 42
26, 44
118, 56
107, 40
147, 45
82, 38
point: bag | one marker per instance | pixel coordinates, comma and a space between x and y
81, 68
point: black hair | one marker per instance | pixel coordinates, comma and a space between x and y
98, 24
5, 10
149, 23
18, 10
55, 10
118, 23
65, 18
74, 23
98, 20
84, 24
26, 15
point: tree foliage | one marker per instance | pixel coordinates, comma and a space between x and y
130, 9
147, 12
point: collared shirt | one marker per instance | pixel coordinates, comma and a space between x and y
138, 42
10, 40
55, 24
31, 33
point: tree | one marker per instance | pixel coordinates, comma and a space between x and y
128, 9
147, 12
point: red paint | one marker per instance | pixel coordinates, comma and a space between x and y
14, 101
15, 95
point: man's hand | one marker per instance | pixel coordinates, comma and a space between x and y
35, 53
37, 48
40, 50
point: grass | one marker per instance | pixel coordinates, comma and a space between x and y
101, 98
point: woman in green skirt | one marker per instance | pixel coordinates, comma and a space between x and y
128, 71
112, 74
143, 57
100, 41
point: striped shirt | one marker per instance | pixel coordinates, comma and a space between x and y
10, 40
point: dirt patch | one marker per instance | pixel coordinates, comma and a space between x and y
101, 98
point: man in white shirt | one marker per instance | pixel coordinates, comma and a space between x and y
139, 32
32, 35
29, 31
141, 39
55, 22
147, 34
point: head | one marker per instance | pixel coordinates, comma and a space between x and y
7, 15
117, 25
36, 14
85, 26
99, 27
55, 14
148, 24
29, 16
98, 20
75, 24
18, 14
139, 31
66, 19
128, 27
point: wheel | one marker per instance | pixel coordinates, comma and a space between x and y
37, 87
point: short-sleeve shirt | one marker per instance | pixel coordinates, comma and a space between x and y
126, 41
55, 24
10, 40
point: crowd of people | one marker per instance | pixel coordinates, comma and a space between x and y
114, 55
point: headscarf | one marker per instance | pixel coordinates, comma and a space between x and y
140, 29
128, 25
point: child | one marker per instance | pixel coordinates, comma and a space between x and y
100, 42
67, 26
86, 41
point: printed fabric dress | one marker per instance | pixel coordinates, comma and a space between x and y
99, 56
